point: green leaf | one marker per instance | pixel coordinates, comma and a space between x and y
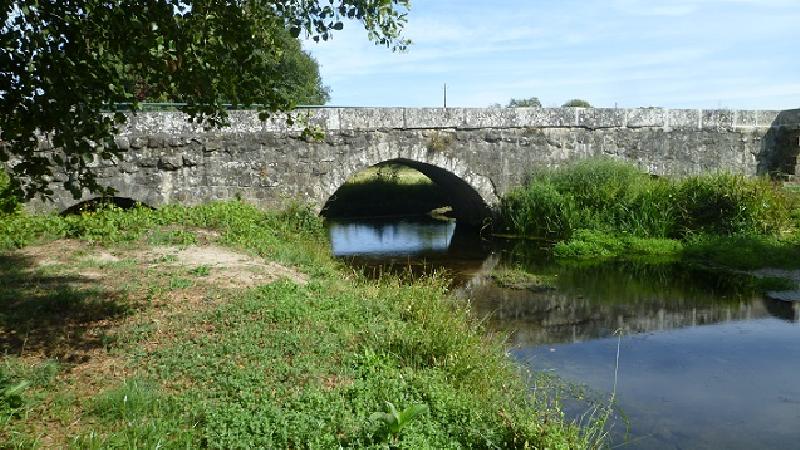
222, 53
412, 412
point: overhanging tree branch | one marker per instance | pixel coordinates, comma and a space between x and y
63, 64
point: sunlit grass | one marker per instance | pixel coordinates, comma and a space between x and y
278, 365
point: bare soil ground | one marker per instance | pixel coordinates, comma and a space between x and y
69, 301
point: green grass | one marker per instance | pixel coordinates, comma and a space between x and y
745, 251
518, 278
600, 208
593, 244
740, 251
618, 199
274, 366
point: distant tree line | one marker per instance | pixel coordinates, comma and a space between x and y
533, 102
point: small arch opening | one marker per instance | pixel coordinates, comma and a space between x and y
403, 213
98, 203
406, 188
388, 189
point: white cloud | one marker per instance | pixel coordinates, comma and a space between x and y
670, 53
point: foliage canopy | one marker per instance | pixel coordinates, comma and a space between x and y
63, 64
577, 103
532, 102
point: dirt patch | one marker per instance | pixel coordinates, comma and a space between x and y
65, 298
52, 253
72, 302
226, 268
101, 256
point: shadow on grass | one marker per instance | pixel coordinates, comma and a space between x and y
53, 315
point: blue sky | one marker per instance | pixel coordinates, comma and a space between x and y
668, 53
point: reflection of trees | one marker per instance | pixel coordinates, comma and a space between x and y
593, 301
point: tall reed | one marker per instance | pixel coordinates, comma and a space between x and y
615, 197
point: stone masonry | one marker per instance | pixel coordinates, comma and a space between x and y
475, 155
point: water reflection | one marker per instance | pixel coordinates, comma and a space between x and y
390, 237
419, 245
731, 385
706, 361
591, 302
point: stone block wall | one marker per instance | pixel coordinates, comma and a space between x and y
476, 154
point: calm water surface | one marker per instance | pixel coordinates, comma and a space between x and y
705, 362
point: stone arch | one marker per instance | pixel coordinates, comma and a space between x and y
472, 195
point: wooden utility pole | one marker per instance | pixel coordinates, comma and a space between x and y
445, 95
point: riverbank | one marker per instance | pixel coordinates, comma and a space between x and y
223, 326
606, 209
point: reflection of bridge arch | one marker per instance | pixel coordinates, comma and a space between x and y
471, 195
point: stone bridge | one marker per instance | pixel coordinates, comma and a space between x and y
474, 155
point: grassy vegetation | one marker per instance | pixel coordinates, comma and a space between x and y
746, 251
587, 243
603, 208
8, 203
110, 343
389, 189
633, 279
518, 278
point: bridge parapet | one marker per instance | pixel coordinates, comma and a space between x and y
336, 119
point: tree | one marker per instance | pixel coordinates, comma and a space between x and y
532, 102
577, 103
301, 80
64, 63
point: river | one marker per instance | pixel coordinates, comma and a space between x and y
705, 361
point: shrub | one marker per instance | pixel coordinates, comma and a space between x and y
539, 210
576, 103
602, 188
617, 198
727, 204
439, 142
532, 102
599, 194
